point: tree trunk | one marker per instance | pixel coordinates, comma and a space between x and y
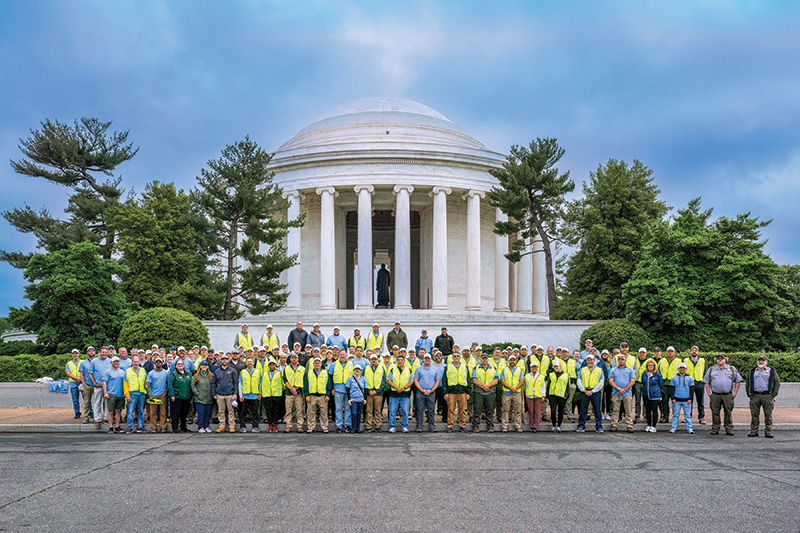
233, 234
550, 274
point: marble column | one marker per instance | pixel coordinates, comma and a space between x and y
327, 249
539, 278
501, 281
439, 245
365, 275
473, 300
525, 281
401, 277
293, 246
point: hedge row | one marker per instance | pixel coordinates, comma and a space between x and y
31, 367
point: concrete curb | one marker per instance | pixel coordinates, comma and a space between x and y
544, 428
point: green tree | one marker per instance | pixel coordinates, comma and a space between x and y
238, 193
531, 193
75, 298
787, 316
78, 157
167, 247
608, 334
708, 284
163, 326
607, 226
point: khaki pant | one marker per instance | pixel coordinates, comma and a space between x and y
374, 410
294, 406
224, 406
512, 404
626, 402
570, 395
155, 409
87, 402
760, 401
316, 404
724, 402
457, 408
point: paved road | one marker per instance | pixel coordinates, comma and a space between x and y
414, 482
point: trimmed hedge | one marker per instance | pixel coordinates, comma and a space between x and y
787, 365
27, 367
489, 348
164, 326
608, 334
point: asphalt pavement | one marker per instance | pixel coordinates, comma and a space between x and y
400, 482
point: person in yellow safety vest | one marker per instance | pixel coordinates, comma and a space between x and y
135, 387
570, 365
341, 370
270, 339
457, 387
400, 381
375, 374
668, 367
484, 381
293, 384
75, 382
641, 365
499, 362
696, 368
512, 379
535, 391
590, 383
375, 339
558, 383
250, 394
243, 339
356, 340
472, 359
318, 387
272, 394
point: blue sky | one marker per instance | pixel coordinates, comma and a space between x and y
705, 93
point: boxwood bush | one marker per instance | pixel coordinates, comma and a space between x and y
163, 326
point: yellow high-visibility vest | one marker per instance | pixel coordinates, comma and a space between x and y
472, 362
74, 369
342, 372
413, 365
630, 361
534, 387
136, 381
499, 365
387, 368
318, 383
591, 378
513, 377
245, 340
251, 383
375, 342
558, 385
668, 369
294, 376
642, 367
485, 375
374, 377
696, 370
401, 378
270, 341
262, 366
355, 343
542, 364
457, 375
271, 386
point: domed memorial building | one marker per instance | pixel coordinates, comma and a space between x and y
398, 228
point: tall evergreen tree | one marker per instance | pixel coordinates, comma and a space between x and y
79, 157
531, 193
607, 226
238, 193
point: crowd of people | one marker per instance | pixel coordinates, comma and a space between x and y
360, 382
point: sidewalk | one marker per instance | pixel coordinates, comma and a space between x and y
20, 420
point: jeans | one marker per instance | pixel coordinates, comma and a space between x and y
595, 400
687, 414
136, 405
700, 400
203, 414
340, 399
403, 403
355, 415
425, 408
76, 398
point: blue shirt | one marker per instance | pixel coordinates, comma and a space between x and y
99, 368
363, 363
355, 393
440, 368
114, 382
85, 368
623, 376
337, 340
427, 376
424, 342
188, 365
337, 387
125, 364
683, 386
158, 381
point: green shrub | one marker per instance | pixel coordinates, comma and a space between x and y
18, 347
787, 365
608, 335
489, 348
30, 367
163, 326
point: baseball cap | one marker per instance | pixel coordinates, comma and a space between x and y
75, 350
115, 358
643, 349
590, 356
181, 348
682, 365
